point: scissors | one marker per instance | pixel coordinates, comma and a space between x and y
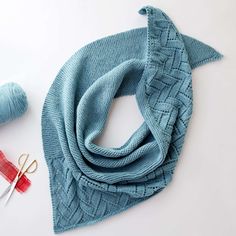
31, 168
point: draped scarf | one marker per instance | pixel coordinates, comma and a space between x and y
89, 182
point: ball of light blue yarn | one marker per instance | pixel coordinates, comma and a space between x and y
13, 102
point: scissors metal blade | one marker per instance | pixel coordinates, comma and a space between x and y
13, 185
5, 191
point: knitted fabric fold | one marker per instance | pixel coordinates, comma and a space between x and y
88, 182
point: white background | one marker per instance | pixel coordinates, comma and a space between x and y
37, 37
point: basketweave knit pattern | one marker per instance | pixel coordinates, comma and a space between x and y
89, 183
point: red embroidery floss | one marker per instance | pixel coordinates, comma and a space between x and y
9, 171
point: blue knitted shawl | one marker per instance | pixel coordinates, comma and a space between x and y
88, 182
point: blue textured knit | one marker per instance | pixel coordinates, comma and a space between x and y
88, 182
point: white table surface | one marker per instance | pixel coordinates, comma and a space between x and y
38, 36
